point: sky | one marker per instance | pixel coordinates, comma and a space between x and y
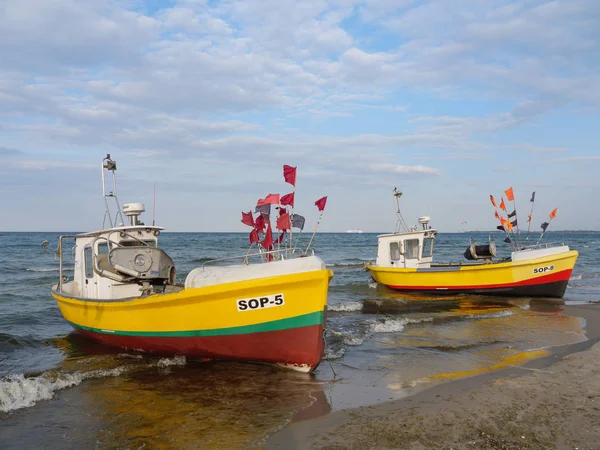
447, 100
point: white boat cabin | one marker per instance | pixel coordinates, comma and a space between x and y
409, 249
119, 263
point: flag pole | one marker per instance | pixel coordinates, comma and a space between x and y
292, 217
517, 220
543, 232
314, 232
499, 217
512, 233
530, 217
549, 222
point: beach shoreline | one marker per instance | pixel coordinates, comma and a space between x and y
551, 402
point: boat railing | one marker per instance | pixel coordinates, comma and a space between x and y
541, 246
282, 254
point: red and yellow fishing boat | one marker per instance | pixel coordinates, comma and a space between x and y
405, 263
264, 307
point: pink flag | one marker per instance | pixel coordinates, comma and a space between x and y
271, 199
289, 174
287, 199
321, 203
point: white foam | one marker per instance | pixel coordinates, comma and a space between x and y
396, 325
353, 341
337, 354
175, 361
575, 277
18, 392
373, 284
490, 315
347, 306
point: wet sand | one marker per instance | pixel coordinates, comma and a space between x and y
549, 403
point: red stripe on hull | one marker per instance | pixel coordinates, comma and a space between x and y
562, 276
297, 346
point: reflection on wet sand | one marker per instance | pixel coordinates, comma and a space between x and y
128, 400
173, 403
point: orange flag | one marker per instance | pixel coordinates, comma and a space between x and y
496, 214
553, 213
509, 226
509, 195
529, 218
502, 205
493, 201
504, 222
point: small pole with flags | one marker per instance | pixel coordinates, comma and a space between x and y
545, 225
289, 175
502, 220
321, 205
529, 218
510, 196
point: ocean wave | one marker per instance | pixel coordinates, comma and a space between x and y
395, 325
353, 341
19, 391
346, 307
46, 269
494, 315
174, 361
12, 341
334, 354
575, 277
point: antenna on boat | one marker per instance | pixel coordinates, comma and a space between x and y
154, 206
400, 224
111, 166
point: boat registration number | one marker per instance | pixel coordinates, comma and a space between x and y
543, 269
266, 301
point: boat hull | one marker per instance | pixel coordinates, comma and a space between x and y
206, 322
538, 277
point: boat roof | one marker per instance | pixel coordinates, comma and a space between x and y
123, 228
408, 233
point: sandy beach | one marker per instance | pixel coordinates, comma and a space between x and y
550, 403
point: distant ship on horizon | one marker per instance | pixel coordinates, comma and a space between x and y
355, 231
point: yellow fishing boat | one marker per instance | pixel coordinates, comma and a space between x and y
265, 307
405, 263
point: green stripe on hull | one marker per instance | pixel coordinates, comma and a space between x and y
315, 318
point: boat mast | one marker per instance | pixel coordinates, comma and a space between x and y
400, 224
111, 166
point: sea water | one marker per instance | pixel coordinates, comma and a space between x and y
60, 390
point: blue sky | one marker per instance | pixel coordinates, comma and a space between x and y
448, 100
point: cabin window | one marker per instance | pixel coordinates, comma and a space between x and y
103, 248
137, 243
427, 247
395, 251
411, 249
89, 272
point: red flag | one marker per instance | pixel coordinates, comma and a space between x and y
287, 199
509, 194
283, 222
289, 174
268, 240
502, 205
496, 214
271, 199
529, 218
247, 219
321, 203
553, 213
259, 225
254, 236
493, 201
280, 238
